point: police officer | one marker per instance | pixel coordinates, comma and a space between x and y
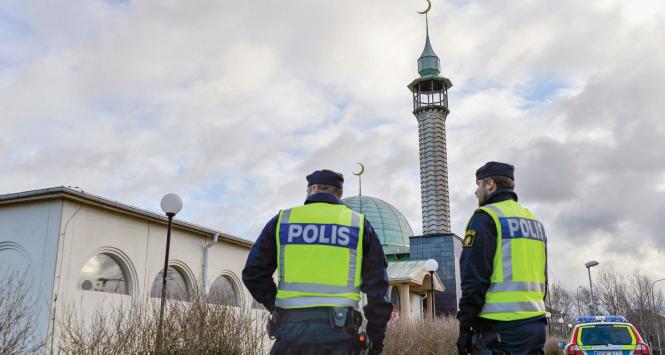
325, 254
503, 271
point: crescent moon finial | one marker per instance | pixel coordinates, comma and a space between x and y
429, 6
362, 170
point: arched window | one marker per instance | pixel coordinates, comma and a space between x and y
224, 291
103, 273
177, 287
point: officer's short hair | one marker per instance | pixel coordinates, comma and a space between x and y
501, 182
328, 189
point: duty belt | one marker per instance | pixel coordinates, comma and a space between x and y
338, 317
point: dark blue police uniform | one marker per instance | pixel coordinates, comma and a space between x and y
309, 331
518, 337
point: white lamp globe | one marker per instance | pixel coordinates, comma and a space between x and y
561, 320
171, 203
431, 265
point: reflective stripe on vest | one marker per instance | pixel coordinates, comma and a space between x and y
335, 232
508, 299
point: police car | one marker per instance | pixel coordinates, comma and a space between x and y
605, 335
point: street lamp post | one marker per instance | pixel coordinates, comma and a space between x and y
589, 265
653, 307
561, 326
431, 265
171, 204
579, 308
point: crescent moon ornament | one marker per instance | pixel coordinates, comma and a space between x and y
362, 170
429, 6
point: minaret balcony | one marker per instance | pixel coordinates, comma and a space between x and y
430, 92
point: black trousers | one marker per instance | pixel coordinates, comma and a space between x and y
523, 339
303, 332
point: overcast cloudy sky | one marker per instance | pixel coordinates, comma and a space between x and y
232, 103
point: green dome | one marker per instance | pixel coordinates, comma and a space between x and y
389, 223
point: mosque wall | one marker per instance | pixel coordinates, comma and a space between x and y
28, 244
440, 247
64, 241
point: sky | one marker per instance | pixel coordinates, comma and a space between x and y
231, 104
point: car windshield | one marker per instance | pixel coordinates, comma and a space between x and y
606, 334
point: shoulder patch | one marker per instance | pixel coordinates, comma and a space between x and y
469, 238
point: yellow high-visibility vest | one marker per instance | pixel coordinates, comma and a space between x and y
518, 281
319, 256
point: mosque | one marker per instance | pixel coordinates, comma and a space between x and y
405, 251
83, 250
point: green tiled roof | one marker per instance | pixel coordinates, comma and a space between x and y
390, 225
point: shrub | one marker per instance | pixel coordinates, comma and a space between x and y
18, 315
438, 336
552, 346
422, 336
195, 327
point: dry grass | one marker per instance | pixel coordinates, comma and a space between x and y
438, 336
423, 336
552, 346
195, 327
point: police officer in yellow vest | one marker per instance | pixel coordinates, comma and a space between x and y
503, 271
324, 255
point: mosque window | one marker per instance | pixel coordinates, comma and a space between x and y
224, 291
177, 287
103, 273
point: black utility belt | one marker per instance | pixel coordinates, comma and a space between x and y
338, 317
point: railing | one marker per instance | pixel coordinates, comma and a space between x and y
430, 94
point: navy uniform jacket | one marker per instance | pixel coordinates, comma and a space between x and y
262, 263
476, 266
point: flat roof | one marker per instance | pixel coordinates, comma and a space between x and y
76, 194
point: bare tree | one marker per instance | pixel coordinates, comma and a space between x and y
639, 296
18, 314
561, 303
612, 292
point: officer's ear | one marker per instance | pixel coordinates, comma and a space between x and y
489, 184
312, 189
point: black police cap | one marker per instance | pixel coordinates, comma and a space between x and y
494, 168
325, 177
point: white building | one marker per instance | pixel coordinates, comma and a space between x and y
82, 250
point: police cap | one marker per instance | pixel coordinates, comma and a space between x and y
325, 177
494, 168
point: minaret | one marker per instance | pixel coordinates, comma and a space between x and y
430, 106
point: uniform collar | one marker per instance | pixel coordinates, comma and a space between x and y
501, 195
323, 197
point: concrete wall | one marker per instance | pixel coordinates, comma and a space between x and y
28, 241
